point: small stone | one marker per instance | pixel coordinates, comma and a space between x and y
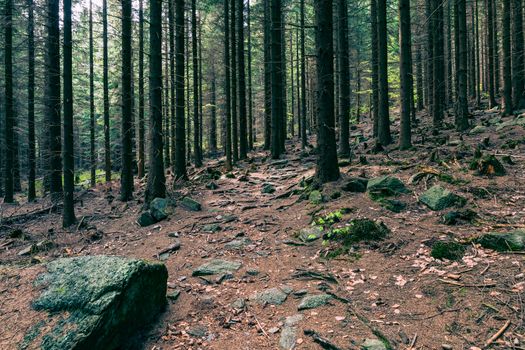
273, 330
239, 304
198, 331
252, 272
373, 344
238, 244
215, 267
272, 296
211, 228
300, 293
173, 296
310, 234
314, 301
191, 204
173, 235
446, 347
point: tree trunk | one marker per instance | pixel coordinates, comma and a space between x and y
375, 67
277, 79
405, 42
92, 159
419, 79
213, 113
267, 77
68, 212
507, 59
439, 67
344, 78
518, 62
52, 100
171, 15
303, 79
491, 53
197, 154
327, 165
227, 87
126, 175
383, 127
180, 133
251, 124
243, 136
462, 102
429, 77
156, 181
105, 83
235, 91
9, 113
31, 191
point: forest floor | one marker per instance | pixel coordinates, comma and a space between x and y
391, 288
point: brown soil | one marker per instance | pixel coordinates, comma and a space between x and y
394, 284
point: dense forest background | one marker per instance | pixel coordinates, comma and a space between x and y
232, 76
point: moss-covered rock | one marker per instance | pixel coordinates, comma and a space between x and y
439, 198
98, 301
385, 186
315, 197
447, 250
314, 301
456, 217
510, 241
146, 219
191, 204
393, 205
358, 230
159, 208
217, 266
356, 184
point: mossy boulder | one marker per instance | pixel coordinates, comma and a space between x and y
268, 189
159, 208
509, 241
314, 301
393, 205
310, 234
215, 267
146, 219
385, 186
439, 198
358, 230
447, 250
97, 302
479, 129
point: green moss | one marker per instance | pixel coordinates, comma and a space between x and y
359, 230
447, 250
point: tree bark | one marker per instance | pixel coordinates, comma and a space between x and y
375, 67
227, 87
518, 61
491, 53
197, 152
180, 133
31, 191
92, 159
383, 127
277, 79
105, 83
243, 135
327, 165
126, 174
156, 182
405, 43
507, 59
462, 102
303, 79
9, 113
344, 78
68, 211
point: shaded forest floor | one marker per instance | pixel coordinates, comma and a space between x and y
391, 288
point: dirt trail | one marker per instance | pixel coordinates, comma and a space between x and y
391, 288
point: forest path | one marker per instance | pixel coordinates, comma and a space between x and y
391, 288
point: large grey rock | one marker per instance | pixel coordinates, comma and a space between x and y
146, 219
288, 338
272, 296
217, 266
238, 244
510, 241
97, 302
314, 301
439, 198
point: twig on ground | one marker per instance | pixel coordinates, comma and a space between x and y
498, 334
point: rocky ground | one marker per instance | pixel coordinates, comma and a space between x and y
254, 267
